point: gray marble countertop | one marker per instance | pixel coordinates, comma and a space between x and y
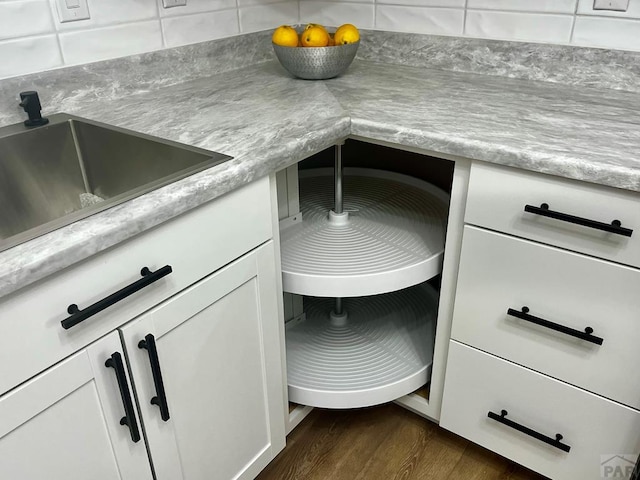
268, 120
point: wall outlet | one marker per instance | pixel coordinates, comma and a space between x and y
615, 5
174, 3
72, 10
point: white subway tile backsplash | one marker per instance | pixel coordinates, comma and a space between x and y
519, 26
424, 3
29, 55
537, 6
439, 21
585, 7
342, 1
116, 41
109, 12
199, 27
264, 17
31, 35
20, 19
248, 3
607, 33
196, 6
336, 14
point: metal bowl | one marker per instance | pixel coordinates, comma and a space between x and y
316, 63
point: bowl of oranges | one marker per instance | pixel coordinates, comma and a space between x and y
314, 52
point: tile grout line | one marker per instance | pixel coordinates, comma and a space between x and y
239, 25
464, 18
505, 10
162, 34
53, 14
573, 24
64, 63
194, 14
59, 42
375, 13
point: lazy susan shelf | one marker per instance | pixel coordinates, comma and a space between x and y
380, 349
391, 237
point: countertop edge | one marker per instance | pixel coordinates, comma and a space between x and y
571, 168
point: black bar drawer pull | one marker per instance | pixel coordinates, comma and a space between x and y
586, 335
554, 442
149, 344
148, 277
613, 227
129, 418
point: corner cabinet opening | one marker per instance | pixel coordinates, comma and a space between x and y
363, 230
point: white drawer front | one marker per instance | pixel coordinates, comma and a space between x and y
194, 245
594, 428
498, 195
498, 272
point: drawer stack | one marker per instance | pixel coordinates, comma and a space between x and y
546, 323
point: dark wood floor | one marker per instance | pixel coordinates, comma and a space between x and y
386, 443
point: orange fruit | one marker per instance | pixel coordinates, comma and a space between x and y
311, 25
315, 37
285, 36
346, 33
332, 42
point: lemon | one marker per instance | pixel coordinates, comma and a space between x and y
311, 25
346, 33
285, 36
314, 37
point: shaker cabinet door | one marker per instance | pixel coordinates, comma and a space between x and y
64, 424
208, 374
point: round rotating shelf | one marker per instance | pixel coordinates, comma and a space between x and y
393, 237
381, 351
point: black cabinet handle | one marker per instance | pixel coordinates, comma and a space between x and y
586, 335
149, 344
554, 442
129, 418
613, 227
148, 277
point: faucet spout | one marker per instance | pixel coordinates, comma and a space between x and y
30, 102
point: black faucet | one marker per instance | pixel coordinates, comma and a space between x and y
31, 104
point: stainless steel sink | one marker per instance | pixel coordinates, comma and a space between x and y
54, 175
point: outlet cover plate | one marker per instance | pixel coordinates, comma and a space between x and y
72, 10
174, 3
613, 5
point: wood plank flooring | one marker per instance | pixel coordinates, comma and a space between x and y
384, 443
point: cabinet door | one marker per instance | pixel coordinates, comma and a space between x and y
217, 349
64, 424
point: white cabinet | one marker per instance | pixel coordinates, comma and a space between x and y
218, 351
64, 424
544, 326
216, 325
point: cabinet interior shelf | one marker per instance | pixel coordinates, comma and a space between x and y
381, 351
393, 237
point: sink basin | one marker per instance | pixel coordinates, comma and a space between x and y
54, 175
